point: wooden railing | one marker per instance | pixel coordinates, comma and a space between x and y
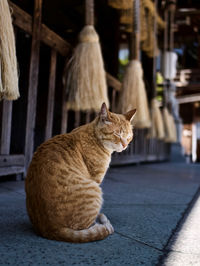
141, 149
188, 78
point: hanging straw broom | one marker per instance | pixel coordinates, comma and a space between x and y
168, 120
170, 128
133, 93
157, 129
173, 127
86, 80
8, 62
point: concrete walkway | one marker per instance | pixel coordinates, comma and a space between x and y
148, 206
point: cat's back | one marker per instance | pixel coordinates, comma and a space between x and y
60, 153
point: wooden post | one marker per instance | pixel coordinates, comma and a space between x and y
33, 83
51, 95
6, 127
77, 119
113, 99
87, 117
6, 122
64, 113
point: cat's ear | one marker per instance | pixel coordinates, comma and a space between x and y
104, 114
130, 115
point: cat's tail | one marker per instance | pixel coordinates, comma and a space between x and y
96, 232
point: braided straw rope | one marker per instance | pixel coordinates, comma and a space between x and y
147, 13
121, 4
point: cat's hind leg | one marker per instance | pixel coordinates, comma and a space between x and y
102, 219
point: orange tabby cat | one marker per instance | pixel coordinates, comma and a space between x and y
63, 195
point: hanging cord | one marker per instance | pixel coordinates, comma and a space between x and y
135, 35
165, 47
89, 12
154, 47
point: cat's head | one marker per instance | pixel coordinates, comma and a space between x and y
114, 130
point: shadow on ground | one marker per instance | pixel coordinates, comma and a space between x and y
144, 203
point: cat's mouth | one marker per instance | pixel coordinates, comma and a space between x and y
122, 148
124, 145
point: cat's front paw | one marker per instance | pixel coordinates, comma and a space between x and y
102, 218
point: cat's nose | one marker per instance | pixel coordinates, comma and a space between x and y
124, 143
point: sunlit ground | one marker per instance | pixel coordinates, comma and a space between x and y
186, 248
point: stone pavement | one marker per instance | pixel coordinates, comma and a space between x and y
147, 204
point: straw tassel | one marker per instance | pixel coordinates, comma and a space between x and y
8, 63
157, 129
86, 80
134, 95
170, 128
86, 83
173, 126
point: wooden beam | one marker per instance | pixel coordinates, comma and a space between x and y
11, 170
113, 82
51, 95
24, 21
6, 127
189, 86
33, 83
183, 12
188, 98
11, 160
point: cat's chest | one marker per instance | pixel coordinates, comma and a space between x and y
97, 164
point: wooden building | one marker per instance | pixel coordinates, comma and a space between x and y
46, 33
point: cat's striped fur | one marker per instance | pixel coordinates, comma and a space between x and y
63, 195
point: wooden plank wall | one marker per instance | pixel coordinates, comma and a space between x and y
141, 149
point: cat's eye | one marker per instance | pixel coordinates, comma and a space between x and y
117, 134
129, 138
